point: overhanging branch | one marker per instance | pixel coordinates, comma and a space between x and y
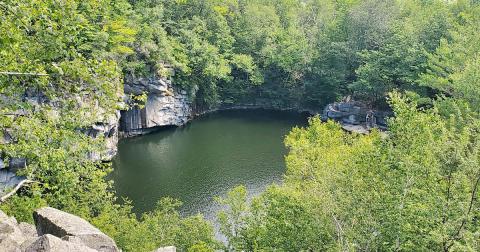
22, 183
18, 73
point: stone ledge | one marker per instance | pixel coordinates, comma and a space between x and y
55, 231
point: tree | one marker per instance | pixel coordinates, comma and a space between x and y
453, 68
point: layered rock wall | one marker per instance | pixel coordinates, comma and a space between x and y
356, 116
165, 106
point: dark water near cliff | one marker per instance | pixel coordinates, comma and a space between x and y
204, 159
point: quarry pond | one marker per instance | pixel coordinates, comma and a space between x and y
204, 159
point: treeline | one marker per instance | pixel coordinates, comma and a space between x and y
292, 53
414, 188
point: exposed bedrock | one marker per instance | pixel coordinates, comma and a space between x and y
356, 116
55, 231
165, 106
108, 128
71, 228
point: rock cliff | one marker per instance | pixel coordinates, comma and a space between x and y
165, 106
109, 129
355, 116
54, 231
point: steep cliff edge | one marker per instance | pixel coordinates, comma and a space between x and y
165, 106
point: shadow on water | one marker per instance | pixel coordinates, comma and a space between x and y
204, 159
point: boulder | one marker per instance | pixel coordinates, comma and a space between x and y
7, 244
71, 228
50, 243
28, 241
28, 230
10, 235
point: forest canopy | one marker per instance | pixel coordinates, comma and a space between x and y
414, 188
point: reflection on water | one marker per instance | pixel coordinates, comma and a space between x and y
204, 159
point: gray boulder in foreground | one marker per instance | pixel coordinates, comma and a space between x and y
11, 237
50, 243
71, 228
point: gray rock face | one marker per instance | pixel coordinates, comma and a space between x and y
348, 112
71, 228
106, 120
16, 164
11, 237
109, 130
9, 245
28, 230
353, 115
60, 232
8, 180
8, 177
165, 106
50, 243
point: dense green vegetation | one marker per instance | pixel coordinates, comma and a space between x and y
80, 45
415, 188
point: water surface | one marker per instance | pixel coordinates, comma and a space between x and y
204, 159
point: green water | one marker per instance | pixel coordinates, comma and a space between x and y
204, 159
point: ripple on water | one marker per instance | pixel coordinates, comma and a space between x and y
204, 159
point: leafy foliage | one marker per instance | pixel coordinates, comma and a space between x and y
69, 57
62, 67
413, 189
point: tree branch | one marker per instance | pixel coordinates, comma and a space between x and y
18, 73
464, 221
22, 183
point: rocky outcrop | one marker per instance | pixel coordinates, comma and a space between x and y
108, 128
355, 116
72, 228
8, 177
55, 231
106, 121
54, 244
165, 106
14, 236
